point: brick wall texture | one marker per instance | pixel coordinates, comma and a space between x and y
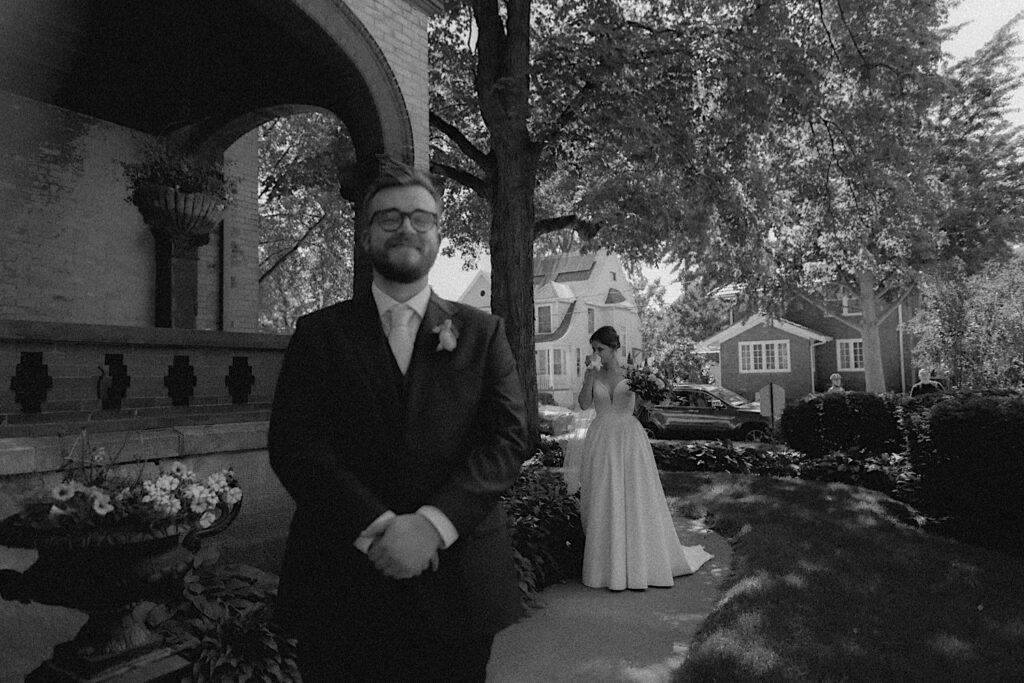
400, 30
73, 250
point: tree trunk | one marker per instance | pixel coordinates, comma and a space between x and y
511, 247
874, 372
502, 84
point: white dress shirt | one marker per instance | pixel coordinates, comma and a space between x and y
438, 519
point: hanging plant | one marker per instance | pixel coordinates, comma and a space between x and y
187, 173
181, 195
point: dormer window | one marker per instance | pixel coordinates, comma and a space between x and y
613, 276
543, 319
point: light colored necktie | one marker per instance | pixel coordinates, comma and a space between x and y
401, 336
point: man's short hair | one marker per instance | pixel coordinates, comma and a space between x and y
397, 174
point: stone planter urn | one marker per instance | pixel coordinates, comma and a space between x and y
181, 222
105, 573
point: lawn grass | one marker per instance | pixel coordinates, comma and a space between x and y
836, 583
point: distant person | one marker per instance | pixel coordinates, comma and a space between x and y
926, 385
631, 541
837, 382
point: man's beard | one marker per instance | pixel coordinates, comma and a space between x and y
402, 272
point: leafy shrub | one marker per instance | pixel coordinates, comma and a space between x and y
842, 421
225, 617
547, 534
889, 473
972, 478
549, 452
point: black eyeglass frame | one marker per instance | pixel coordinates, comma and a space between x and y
374, 219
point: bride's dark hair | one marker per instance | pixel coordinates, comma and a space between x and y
607, 336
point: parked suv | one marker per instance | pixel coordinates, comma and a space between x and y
704, 411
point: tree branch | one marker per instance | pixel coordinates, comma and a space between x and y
587, 230
294, 248
464, 178
465, 145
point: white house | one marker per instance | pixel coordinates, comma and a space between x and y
573, 295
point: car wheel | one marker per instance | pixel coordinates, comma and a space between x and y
755, 433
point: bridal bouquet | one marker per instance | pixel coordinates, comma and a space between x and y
646, 383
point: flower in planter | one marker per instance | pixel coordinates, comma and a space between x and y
96, 496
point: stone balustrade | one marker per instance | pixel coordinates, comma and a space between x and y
57, 378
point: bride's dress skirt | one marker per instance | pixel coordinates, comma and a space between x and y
631, 541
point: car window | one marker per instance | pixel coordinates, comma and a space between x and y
699, 399
730, 397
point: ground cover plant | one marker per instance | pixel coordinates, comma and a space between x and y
838, 583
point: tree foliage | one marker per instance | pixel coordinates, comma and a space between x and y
973, 325
306, 226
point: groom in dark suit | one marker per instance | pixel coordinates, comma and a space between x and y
398, 422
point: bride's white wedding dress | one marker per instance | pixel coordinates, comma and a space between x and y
631, 541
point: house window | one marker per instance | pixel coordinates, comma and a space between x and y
613, 276
591, 315
851, 304
579, 360
850, 354
764, 356
542, 362
556, 361
543, 319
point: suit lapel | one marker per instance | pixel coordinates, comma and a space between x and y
427, 361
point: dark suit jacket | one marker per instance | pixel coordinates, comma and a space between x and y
350, 438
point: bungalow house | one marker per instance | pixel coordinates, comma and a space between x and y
573, 295
814, 337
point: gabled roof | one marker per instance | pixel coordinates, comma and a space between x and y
712, 343
482, 280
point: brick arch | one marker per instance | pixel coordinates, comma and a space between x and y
365, 94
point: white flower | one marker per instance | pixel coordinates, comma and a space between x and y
101, 504
167, 482
206, 520
218, 481
178, 469
233, 495
447, 336
200, 498
63, 491
595, 361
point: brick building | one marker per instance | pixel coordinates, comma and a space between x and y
85, 85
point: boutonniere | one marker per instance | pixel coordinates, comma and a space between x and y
447, 336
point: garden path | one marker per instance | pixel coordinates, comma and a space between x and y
599, 636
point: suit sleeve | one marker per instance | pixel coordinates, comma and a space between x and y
300, 450
497, 447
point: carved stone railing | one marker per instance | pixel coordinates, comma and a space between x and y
56, 378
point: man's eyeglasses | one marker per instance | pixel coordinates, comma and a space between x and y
390, 220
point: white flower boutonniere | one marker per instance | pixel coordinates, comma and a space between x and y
447, 336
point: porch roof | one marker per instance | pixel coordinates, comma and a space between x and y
714, 342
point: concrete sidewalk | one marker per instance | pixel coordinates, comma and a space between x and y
597, 636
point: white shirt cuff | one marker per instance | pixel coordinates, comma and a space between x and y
441, 522
365, 539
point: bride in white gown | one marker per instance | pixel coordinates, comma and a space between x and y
631, 541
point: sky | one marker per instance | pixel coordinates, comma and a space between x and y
982, 19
